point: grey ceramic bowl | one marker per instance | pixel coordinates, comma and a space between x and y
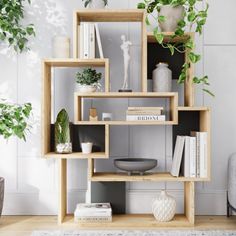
135, 165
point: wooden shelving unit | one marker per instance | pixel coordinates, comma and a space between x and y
183, 120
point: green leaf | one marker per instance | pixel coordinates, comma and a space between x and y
161, 18
147, 21
194, 58
209, 92
172, 49
191, 16
141, 5
181, 23
192, 2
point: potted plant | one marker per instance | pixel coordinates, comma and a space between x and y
96, 4
88, 80
13, 122
11, 30
179, 16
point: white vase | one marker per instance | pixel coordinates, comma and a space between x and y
162, 78
97, 4
86, 147
172, 16
164, 207
61, 47
82, 88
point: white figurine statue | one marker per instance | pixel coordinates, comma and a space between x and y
125, 48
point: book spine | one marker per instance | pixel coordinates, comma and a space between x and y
81, 37
144, 108
192, 163
99, 41
92, 214
92, 219
187, 157
92, 41
158, 113
145, 118
198, 154
86, 43
203, 155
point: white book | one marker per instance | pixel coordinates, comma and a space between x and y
99, 41
86, 41
91, 40
203, 154
145, 117
81, 40
192, 160
178, 153
92, 219
94, 207
145, 108
187, 157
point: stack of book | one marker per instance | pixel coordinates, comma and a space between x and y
88, 35
145, 114
93, 212
190, 156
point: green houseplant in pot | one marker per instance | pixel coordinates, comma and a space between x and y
14, 121
88, 80
12, 31
178, 17
96, 4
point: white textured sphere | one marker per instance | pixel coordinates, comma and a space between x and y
164, 207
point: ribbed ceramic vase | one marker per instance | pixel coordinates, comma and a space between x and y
164, 207
162, 78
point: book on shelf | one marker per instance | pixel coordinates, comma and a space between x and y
93, 219
145, 117
98, 39
178, 153
145, 108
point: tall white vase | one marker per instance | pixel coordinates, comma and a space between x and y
164, 207
97, 4
172, 16
162, 78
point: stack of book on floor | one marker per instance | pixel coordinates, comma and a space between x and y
190, 156
88, 34
93, 212
145, 114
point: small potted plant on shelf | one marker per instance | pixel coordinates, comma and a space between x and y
88, 80
179, 17
14, 121
96, 4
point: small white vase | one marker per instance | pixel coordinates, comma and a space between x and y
86, 88
172, 16
162, 78
164, 207
97, 4
86, 147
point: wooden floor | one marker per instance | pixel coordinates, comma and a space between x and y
25, 225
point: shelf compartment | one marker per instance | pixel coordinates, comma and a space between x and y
78, 107
156, 53
132, 221
148, 176
108, 15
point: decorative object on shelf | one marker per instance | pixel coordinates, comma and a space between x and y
93, 114
11, 29
194, 17
172, 15
96, 4
125, 48
106, 116
14, 121
164, 207
61, 47
86, 147
135, 165
2, 183
162, 78
63, 143
88, 80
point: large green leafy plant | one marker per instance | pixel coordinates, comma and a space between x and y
14, 119
89, 76
11, 29
193, 21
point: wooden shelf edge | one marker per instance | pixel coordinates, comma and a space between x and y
193, 108
77, 155
158, 177
133, 221
125, 123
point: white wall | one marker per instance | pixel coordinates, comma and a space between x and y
31, 182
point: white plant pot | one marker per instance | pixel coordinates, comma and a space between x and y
97, 4
86, 147
86, 88
172, 16
164, 207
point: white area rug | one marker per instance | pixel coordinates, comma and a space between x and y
135, 233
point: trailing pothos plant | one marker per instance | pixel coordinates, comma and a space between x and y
193, 20
14, 119
86, 2
11, 29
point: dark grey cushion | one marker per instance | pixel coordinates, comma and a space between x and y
232, 180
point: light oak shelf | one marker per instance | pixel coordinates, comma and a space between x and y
148, 176
133, 221
77, 155
125, 122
